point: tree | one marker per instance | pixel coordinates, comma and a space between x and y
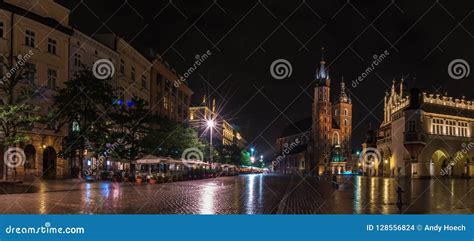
230, 154
83, 106
172, 139
132, 122
245, 158
17, 116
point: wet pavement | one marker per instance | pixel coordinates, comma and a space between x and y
247, 194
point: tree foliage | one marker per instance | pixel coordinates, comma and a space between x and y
17, 114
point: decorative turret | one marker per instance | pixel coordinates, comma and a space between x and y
322, 73
393, 88
343, 97
401, 88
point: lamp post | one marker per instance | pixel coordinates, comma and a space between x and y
210, 124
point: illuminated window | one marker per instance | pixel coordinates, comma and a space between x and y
165, 102
335, 138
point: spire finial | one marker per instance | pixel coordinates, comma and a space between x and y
322, 56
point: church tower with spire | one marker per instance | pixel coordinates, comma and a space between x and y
332, 125
322, 116
343, 116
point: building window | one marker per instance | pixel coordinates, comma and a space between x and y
167, 85
122, 67
144, 83
346, 122
346, 113
30, 157
411, 126
52, 76
165, 102
77, 60
30, 73
158, 79
52, 46
335, 139
2, 27
133, 73
2, 66
462, 129
30, 38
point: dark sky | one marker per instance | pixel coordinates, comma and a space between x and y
245, 37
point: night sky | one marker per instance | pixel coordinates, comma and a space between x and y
245, 37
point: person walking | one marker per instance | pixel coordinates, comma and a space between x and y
399, 194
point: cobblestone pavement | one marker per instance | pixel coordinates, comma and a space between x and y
247, 194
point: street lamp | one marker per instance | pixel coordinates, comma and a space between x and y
252, 158
210, 124
261, 157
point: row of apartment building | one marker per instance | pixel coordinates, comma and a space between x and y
42, 28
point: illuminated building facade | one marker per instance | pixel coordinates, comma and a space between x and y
226, 133
424, 135
42, 30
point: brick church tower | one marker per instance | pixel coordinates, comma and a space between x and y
322, 117
332, 125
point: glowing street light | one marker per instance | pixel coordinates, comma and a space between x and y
252, 158
210, 124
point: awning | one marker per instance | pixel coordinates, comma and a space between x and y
150, 159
